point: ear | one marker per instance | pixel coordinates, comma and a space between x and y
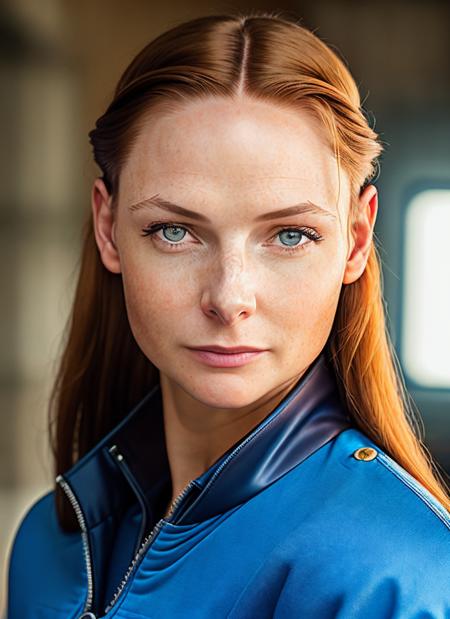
362, 234
104, 226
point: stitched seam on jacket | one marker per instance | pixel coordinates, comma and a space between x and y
436, 509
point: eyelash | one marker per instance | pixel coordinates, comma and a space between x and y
310, 233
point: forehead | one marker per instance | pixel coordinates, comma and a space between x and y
243, 151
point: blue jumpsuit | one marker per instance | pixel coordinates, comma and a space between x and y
304, 517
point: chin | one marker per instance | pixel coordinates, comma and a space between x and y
224, 390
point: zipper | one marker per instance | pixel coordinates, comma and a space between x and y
145, 545
86, 551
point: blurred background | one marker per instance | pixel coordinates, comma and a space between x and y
59, 62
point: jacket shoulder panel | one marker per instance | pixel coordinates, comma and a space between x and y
361, 538
422, 493
391, 478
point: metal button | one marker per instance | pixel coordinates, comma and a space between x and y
365, 453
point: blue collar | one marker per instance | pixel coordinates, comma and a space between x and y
131, 463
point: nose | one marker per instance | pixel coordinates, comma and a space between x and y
229, 293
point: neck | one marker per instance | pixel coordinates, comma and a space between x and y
197, 434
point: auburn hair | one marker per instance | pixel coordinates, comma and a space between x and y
267, 56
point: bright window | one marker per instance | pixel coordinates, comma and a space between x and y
425, 342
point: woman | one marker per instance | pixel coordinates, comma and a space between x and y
234, 211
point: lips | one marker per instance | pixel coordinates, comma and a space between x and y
220, 359
228, 351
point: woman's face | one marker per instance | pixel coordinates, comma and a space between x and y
232, 274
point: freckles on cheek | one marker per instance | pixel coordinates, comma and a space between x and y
149, 315
309, 301
153, 295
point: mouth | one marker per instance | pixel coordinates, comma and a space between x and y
226, 359
228, 350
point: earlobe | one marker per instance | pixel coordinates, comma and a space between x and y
104, 226
362, 232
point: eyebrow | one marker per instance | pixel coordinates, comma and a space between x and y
302, 207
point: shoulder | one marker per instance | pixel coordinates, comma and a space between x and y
365, 538
369, 504
34, 527
352, 478
387, 488
41, 555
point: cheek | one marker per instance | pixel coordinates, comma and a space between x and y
156, 302
308, 303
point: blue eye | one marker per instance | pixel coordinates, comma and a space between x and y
170, 242
294, 235
177, 229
